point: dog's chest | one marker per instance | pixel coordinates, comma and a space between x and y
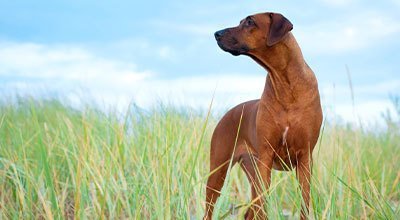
293, 130
298, 134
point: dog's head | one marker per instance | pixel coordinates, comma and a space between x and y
254, 32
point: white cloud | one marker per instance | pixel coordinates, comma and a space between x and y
31, 68
382, 89
79, 74
365, 113
64, 63
347, 33
370, 101
230, 89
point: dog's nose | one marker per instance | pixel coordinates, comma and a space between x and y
219, 34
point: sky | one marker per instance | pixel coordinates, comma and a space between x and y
146, 52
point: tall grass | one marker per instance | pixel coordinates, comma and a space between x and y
59, 162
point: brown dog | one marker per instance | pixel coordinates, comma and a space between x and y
277, 131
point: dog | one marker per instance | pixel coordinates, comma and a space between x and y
278, 131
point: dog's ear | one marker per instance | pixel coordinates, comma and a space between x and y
279, 27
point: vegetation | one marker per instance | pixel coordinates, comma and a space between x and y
60, 162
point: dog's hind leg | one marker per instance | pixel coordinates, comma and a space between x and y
214, 186
220, 158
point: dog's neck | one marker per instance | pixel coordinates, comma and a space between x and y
289, 76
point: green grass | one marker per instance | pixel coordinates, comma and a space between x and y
58, 162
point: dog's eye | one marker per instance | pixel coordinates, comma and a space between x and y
249, 22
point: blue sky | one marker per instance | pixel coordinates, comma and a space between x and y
147, 51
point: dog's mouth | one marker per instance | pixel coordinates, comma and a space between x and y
234, 49
231, 51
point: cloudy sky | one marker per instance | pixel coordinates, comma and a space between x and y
147, 51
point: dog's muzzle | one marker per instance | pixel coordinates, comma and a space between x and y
229, 43
218, 35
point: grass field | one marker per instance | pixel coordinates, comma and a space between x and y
59, 162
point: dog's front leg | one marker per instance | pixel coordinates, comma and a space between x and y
260, 186
303, 172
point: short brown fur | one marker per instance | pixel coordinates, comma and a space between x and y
277, 131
